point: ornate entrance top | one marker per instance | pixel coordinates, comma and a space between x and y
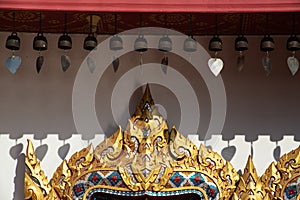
146, 161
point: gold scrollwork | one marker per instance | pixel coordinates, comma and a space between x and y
81, 160
145, 156
36, 184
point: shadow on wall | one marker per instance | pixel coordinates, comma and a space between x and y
229, 152
19, 184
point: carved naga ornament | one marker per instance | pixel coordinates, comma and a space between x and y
146, 161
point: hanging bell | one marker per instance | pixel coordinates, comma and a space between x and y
115, 43
190, 44
293, 43
141, 44
215, 44
90, 42
165, 44
267, 44
13, 42
65, 42
40, 42
241, 43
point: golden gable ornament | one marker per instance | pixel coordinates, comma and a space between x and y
146, 161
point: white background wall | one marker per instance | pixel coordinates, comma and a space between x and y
262, 112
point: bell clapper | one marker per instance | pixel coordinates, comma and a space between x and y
216, 55
13, 54
293, 54
141, 59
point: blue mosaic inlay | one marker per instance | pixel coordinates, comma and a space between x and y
177, 179
212, 191
114, 178
79, 189
291, 191
94, 178
197, 179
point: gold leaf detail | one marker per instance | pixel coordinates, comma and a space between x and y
35, 175
81, 159
61, 179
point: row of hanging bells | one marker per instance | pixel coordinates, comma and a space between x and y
165, 45
39, 44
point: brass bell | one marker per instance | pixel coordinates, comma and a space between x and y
165, 44
141, 44
215, 44
13, 42
267, 44
40, 42
115, 43
190, 44
90, 42
241, 43
293, 43
65, 42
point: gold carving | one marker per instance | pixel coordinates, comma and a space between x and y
36, 185
61, 180
147, 157
81, 161
110, 151
183, 150
250, 186
31, 190
227, 181
271, 178
278, 177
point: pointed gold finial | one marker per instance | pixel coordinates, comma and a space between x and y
250, 171
250, 185
147, 95
145, 109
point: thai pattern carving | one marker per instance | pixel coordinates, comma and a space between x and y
61, 180
36, 184
147, 159
111, 151
285, 176
210, 161
146, 136
250, 187
225, 176
227, 181
81, 161
271, 179
183, 151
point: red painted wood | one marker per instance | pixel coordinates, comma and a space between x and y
155, 5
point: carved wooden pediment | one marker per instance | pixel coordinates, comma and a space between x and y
146, 161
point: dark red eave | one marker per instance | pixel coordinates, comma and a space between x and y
204, 6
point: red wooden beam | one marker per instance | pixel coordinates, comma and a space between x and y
212, 6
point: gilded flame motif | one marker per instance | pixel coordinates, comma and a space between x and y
250, 186
146, 159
